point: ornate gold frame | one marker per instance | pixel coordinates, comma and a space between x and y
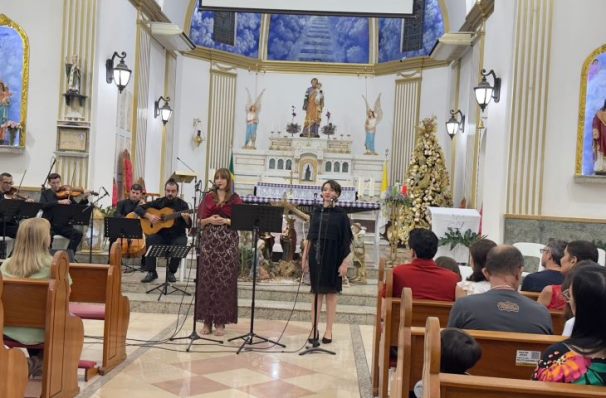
6, 21
582, 107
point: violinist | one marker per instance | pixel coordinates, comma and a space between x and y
6, 188
56, 195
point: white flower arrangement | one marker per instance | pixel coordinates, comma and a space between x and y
11, 124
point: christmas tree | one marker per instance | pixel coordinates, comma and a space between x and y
427, 180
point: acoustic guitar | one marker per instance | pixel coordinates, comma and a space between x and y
167, 219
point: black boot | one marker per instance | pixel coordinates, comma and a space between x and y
151, 276
171, 277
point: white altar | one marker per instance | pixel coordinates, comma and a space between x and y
443, 218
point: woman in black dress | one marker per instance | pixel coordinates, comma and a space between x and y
329, 241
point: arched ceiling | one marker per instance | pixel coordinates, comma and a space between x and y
349, 40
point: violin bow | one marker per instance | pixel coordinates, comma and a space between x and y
21, 182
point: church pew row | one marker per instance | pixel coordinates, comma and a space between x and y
96, 293
504, 354
376, 336
45, 305
13, 364
421, 309
443, 385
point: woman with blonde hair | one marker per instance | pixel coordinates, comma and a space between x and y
219, 261
31, 259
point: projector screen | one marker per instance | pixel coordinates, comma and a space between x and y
383, 8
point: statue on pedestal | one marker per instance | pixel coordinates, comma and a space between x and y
252, 119
359, 253
73, 75
599, 140
313, 105
373, 117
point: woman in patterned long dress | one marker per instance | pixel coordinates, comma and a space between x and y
330, 233
219, 260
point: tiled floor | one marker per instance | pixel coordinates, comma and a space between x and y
215, 371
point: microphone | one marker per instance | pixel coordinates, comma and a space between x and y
186, 165
105, 191
214, 186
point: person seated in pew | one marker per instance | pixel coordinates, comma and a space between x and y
449, 263
581, 359
575, 251
426, 279
31, 259
460, 352
476, 283
551, 258
569, 325
501, 308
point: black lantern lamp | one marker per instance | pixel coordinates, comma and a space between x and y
455, 124
485, 92
119, 74
164, 111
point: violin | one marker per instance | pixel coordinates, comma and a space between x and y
69, 192
13, 193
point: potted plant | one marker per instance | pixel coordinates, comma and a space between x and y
459, 243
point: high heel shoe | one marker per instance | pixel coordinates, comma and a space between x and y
326, 341
311, 339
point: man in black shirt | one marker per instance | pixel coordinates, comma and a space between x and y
174, 235
11, 226
127, 206
552, 253
50, 200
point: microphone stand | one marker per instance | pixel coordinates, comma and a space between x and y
315, 343
92, 224
193, 336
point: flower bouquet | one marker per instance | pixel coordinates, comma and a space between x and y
13, 128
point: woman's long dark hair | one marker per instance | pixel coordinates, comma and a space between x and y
589, 294
224, 173
479, 251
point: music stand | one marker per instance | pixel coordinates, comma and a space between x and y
123, 228
183, 177
72, 214
256, 218
8, 211
167, 252
28, 210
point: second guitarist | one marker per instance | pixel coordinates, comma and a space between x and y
174, 235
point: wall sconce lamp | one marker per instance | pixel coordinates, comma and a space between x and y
455, 124
198, 137
165, 111
119, 74
485, 92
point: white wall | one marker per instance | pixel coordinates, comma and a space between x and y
41, 21
114, 13
577, 31
175, 10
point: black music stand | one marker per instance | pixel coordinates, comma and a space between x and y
123, 228
256, 218
8, 211
167, 252
28, 210
73, 214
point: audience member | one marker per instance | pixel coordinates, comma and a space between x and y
581, 359
566, 295
449, 263
426, 279
550, 260
576, 251
501, 308
476, 283
459, 353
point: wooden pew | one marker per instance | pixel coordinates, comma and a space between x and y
96, 293
13, 364
531, 295
376, 338
442, 385
45, 305
499, 352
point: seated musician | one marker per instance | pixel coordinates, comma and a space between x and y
127, 206
6, 184
174, 235
50, 200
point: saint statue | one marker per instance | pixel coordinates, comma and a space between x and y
73, 76
373, 117
307, 176
5, 101
359, 253
252, 120
313, 105
599, 140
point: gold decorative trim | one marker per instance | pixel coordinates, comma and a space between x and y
445, 17
475, 174
508, 216
583, 107
151, 9
215, 66
135, 77
264, 36
6, 21
189, 14
479, 13
410, 74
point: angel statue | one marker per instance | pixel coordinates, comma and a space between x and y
373, 117
252, 119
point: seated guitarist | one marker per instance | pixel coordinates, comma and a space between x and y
127, 206
167, 236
